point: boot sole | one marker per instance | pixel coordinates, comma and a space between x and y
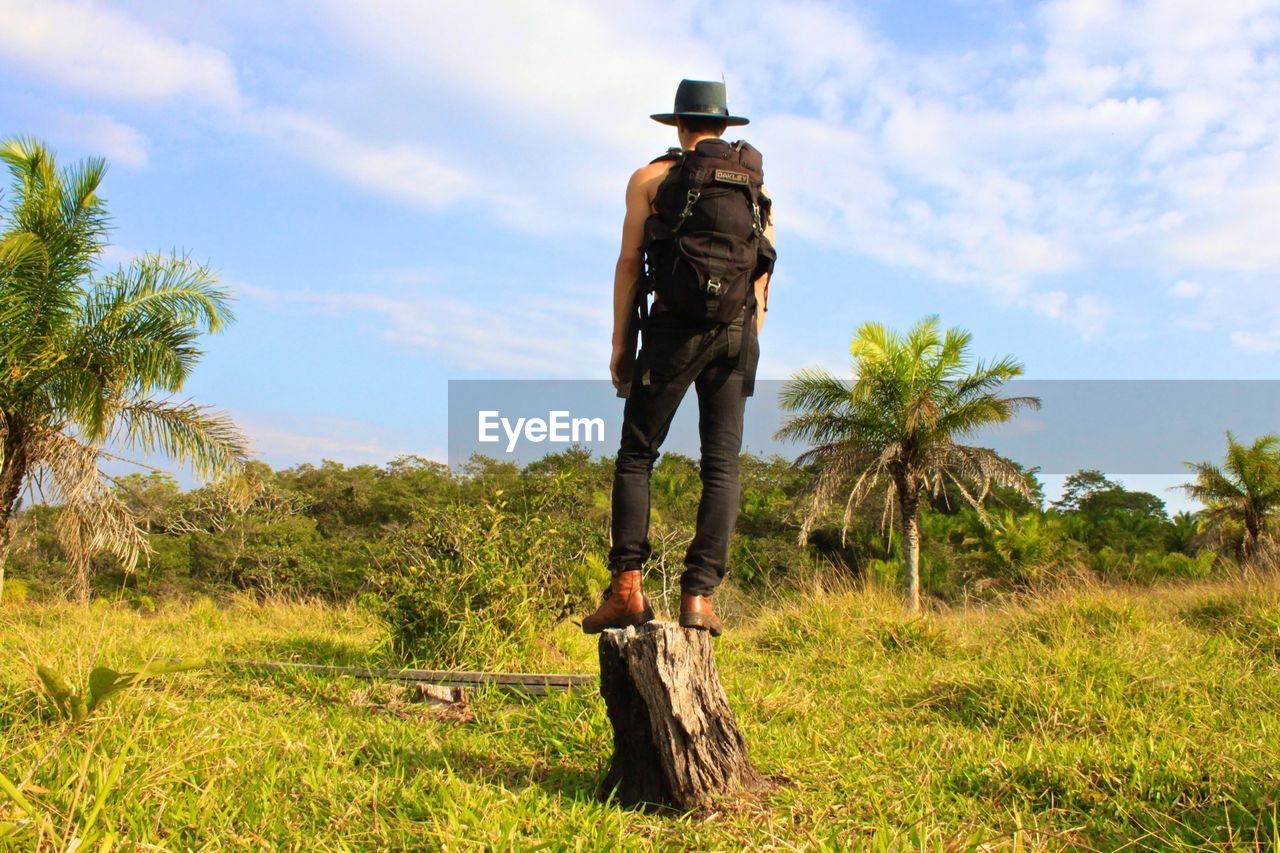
633, 620
701, 623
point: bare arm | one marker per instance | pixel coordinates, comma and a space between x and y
630, 267
762, 283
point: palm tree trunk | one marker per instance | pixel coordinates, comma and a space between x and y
909, 504
6, 534
911, 550
13, 468
1251, 534
81, 566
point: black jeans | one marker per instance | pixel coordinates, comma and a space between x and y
719, 361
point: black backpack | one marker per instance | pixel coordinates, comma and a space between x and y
705, 245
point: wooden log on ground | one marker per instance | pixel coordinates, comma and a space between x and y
531, 683
675, 741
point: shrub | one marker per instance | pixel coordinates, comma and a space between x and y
1154, 566
15, 591
481, 586
886, 574
761, 562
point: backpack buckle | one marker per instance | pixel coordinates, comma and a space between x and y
691, 198
714, 286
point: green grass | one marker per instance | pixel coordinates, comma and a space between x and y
1096, 719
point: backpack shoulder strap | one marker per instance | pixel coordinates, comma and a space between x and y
749, 158
672, 154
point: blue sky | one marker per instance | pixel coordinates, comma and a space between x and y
401, 193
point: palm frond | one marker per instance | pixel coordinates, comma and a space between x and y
1212, 485
965, 417
81, 182
818, 427
156, 288
23, 155
20, 251
814, 390
93, 518
872, 343
210, 443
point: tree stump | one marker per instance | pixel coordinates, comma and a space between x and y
675, 742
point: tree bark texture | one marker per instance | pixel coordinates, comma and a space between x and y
13, 468
911, 554
676, 742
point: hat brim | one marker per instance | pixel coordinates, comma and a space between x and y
670, 118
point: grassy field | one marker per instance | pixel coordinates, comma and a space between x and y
1094, 719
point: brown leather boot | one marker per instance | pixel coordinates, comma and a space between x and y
696, 612
624, 604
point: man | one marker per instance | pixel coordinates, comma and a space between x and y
715, 355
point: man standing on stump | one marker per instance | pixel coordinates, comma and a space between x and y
698, 235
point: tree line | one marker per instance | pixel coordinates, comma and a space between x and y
92, 359
332, 530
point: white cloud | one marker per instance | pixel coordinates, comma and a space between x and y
295, 445
102, 51
123, 57
1086, 312
1244, 306
570, 71
104, 136
547, 335
544, 105
285, 440
1140, 136
399, 170
1115, 135
1256, 341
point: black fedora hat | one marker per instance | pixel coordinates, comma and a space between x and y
701, 99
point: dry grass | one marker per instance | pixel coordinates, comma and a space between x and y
1092, 718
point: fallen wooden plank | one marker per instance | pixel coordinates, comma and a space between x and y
532, 683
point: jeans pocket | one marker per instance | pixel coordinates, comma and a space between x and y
735, 339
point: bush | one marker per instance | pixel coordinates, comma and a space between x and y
480, 586
1154, 566
762, 562
886, 574
15, 591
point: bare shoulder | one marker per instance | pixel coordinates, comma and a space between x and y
647, 178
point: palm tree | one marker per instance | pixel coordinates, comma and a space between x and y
1244, 491
89, 360
1182, 533
898, 424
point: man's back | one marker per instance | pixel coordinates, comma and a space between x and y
716, 356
